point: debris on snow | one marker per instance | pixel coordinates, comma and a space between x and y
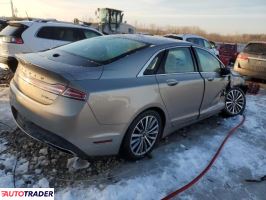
75, 163
38, 171
43, 151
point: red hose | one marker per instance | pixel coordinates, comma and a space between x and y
195, 180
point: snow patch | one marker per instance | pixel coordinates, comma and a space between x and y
42, 183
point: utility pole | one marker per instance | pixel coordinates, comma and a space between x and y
12, 9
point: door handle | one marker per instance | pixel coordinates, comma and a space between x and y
210, 79
172, 82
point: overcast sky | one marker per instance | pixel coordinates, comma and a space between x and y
220, 16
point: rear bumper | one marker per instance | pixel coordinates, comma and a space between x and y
66, 124
10, 61
46, 136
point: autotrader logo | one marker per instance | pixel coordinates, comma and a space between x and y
26, 193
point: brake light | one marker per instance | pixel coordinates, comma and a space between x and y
19, 41
243, 56
53, 88
74, 94
11, 39
58, 89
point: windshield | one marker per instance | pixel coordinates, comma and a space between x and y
256, 48
103, 49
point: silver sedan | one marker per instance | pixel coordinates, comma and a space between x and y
120, 93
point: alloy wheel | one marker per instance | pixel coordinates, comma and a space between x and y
144, 135
235, 102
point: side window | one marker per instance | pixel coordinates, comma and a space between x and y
208, 63
207, 44
191, 40
61, 33
197, 41
178, 60
46, 33
154, 64
67, 34
90, 34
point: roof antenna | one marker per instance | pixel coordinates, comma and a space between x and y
27, 15
12, 9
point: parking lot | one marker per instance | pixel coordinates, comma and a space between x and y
178, 159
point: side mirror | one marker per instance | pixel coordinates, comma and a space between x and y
213, 45
225, 71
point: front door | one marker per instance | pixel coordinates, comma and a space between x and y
215, 84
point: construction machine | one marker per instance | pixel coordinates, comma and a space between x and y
110, 21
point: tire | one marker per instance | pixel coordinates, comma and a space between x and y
235, 102
137, 142
5, 76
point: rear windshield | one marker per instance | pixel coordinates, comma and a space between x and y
174, 37
228, 47
256, 48
103, 49
14, 30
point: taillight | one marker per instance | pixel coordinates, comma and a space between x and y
58, 89
18, 40
74, 94
64, 91
11, 39
53, 88
242, 56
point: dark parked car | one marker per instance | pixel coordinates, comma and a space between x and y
252, 61
228, 53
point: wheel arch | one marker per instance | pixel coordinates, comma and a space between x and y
158, 109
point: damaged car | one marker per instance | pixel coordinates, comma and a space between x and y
120, 94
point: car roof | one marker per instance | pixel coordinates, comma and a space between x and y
185, 35
3, 20
52, 23
153, 40
257, 42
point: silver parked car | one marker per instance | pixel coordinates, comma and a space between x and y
120, 93
196, 39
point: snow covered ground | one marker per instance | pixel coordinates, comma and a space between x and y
176, 161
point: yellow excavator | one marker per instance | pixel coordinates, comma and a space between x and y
110, 21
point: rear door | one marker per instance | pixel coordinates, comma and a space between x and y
215, 84
181, 86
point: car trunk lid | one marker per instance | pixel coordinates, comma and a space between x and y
43, 79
